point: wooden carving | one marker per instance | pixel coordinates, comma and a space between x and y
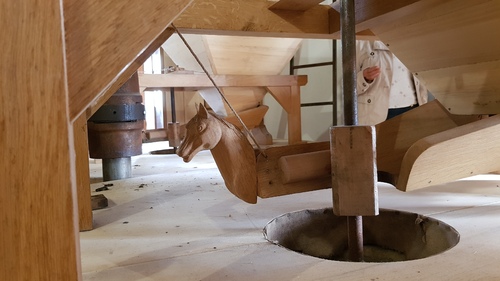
232, 152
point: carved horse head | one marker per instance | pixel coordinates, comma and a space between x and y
232, 152
203, 132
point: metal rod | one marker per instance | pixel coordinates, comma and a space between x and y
172, 108
349, 62
316, 103
355, 238
313, 65
172, 104
334, 84
348, 36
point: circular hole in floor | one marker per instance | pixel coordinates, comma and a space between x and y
389, 237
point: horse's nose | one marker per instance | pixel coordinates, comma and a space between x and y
183, 153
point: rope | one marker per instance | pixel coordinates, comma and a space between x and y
220, 92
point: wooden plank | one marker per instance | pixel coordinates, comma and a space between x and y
99, 201
294, 117
446, 34
305, 166
457, 153
295, 5
83, 173
354, 171
95, 35
201, 80
370, 14
39, 239
396, 135
217, 17
269, 174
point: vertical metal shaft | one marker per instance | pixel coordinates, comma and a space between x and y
355, 238
172, 104
335, 97
348, 36
172, 107
116, 168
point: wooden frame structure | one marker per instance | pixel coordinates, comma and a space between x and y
61, 60
285, 89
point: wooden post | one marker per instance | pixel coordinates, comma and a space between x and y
39, 239
83, 173
289, 99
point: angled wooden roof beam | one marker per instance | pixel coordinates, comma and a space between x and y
254, 18
295, 5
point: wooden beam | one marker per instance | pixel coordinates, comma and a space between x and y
202, 81
271, 182
396, 135
289, 99
295, 5
96, 34
80, 138
253, 18
284, 88
370, 14
465, 151
39, 239
127, 72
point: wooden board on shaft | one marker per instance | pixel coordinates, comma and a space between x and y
354, 171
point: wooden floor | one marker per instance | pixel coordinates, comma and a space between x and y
177, 221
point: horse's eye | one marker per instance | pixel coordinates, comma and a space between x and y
200, 128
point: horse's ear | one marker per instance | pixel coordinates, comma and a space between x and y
202, 111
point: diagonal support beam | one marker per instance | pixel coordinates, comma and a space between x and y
105, 42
